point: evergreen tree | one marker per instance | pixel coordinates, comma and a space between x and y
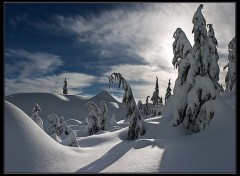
35, 116
103, 119
168, 91
155, 96
136, 127
198, 74
65, 90
160, 100
94, 114
146, 109
230, 78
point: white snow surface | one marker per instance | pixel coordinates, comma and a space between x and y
163, 148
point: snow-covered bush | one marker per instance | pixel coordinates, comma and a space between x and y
136, 127
230, 78
60, 131
168, 91
198, 74
140, 106
35, 116
155, 97
53, 124
112, 121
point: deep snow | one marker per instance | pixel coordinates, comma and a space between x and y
163, 148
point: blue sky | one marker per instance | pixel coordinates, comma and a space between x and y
86, 42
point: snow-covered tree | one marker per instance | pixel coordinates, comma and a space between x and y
168, 91
93, 118
155, 96
65, 89
140, 106
103, 119
54, 124
230, 78
198, 74
35, 116
136, 127
60, 131
160, 100
146, 107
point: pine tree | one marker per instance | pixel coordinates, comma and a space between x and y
146, 109
65, 90
35, 116
230, 78
155, 96
136, 127
160, 100
198, 74
168, 91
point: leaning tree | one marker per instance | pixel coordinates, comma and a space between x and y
136, 126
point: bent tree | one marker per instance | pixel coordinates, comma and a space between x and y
136, 126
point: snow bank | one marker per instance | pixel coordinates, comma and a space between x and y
29, 149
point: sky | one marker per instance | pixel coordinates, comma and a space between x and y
44, 43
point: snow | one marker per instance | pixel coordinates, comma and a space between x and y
163, 148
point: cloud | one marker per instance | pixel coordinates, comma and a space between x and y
16, 20
52, 83
33, 72
26, 64
137, 40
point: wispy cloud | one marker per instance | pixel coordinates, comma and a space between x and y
137, 40
52, 83
33, 72
18, 19
30, 64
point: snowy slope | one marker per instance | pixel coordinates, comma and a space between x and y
163, 148
68, 106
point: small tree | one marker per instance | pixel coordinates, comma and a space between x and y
155, 96
93, 118
146, 108
35, 116
65, 90
160, 100
54, 124
168, 91
140, 106
103, 119
136, 127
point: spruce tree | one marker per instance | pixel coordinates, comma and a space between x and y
168, 91
65, 90
230, 78
198, 74
155, 96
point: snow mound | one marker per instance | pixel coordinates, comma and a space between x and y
29, 149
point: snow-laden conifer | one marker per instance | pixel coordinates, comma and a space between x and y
136, 127
198, 74
35, 116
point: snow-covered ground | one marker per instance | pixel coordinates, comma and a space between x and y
163, 148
